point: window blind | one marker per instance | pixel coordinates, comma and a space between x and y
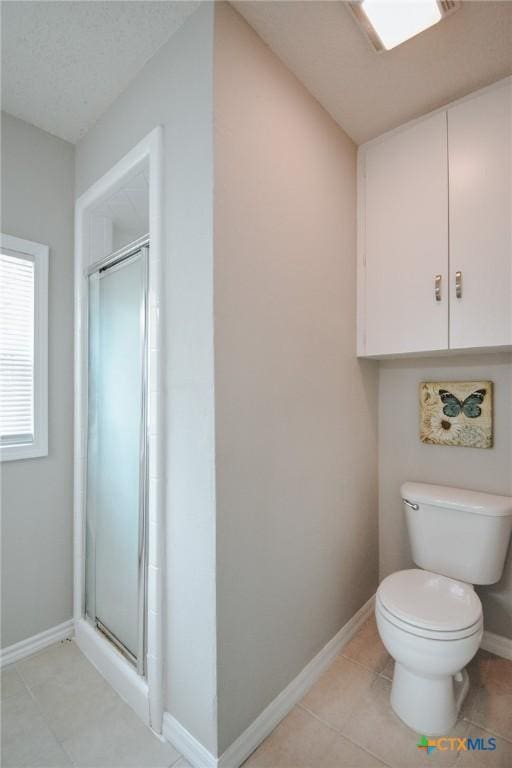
16, 349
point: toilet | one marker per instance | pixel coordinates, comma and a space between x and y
430, 618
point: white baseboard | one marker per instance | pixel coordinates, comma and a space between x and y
116, 670
186, 744
272, 715
31, 645
498, 644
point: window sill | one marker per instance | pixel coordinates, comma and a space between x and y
23, 451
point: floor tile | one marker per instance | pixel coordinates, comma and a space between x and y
302, 741
73, 698
51, 756
388, 670
489, 701
345, 720
339, 689
27, 741
11, 683
374, 725
490, 670
119, 740
64, 699
58, 661
501, 757
366, 647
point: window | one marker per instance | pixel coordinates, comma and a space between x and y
23, 349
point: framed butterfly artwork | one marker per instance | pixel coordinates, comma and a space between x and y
456, 413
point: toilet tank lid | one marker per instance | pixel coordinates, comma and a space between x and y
458, 498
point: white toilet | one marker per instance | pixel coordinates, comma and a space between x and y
430, 621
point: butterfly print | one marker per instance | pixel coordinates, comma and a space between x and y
470, 407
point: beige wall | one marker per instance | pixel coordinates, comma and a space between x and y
37, 494
403, 457
296, 419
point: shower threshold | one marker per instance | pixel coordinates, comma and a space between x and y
116, 643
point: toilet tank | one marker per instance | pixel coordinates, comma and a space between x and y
457, 533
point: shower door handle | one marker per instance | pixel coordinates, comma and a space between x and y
143, 471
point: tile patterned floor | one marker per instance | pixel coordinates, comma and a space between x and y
57, 711
345, 720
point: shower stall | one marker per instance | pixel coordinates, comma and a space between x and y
116, 469
119, 428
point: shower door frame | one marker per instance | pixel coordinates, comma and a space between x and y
113, 261
143, 694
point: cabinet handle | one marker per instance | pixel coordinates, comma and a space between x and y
437, 287
458, 285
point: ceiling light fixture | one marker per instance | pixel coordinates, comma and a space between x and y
389, 24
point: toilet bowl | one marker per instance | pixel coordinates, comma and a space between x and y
432, 626
430, 618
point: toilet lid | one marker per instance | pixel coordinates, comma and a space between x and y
431, 601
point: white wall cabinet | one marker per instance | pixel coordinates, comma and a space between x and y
480, 174
406, 240
435, 231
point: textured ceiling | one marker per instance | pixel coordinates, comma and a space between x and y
64, 63
368, 92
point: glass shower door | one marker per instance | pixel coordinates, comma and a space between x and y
116, 456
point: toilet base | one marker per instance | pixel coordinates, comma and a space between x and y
428, 705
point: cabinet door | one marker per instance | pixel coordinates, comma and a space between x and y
405, 240
480, 179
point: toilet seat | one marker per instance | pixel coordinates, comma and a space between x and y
429, 605
430, 634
